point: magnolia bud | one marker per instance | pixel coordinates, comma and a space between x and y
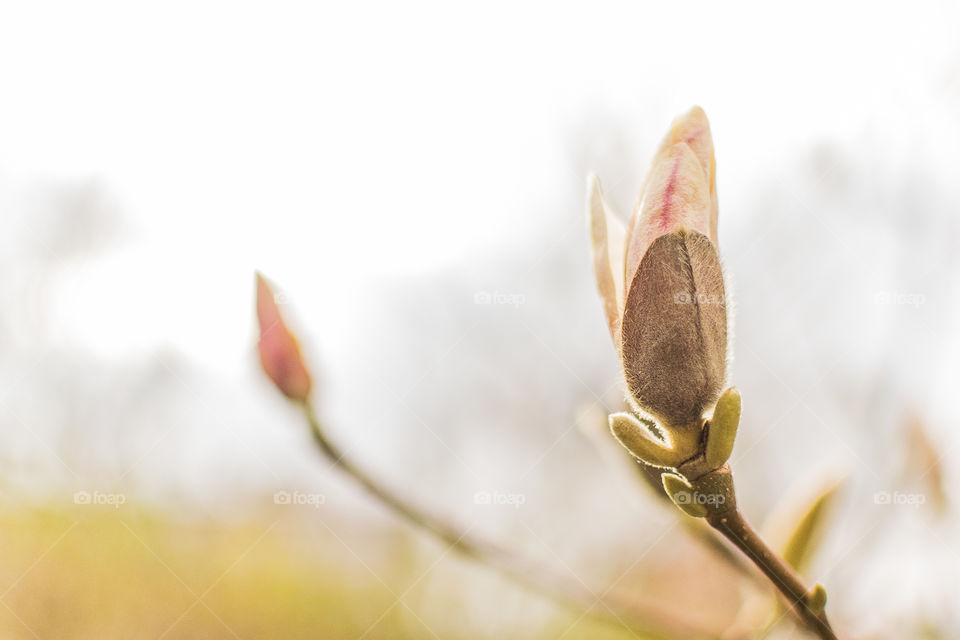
663, 290
280, 354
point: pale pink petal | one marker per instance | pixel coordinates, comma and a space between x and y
607, 239
676, 196
693, 128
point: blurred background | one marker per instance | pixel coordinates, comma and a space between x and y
412, 178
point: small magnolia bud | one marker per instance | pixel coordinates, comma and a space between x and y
280, 354
817, 599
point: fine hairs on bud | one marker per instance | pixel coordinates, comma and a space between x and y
729, 288
674, 336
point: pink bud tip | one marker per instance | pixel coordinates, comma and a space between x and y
280, 354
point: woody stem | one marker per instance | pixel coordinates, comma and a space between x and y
737, 530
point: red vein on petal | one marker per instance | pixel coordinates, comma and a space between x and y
694, 135
664, 216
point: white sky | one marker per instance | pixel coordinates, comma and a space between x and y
332, 143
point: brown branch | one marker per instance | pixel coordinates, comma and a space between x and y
723, 515
738, 531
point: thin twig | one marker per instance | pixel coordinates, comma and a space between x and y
637, 617
737, 530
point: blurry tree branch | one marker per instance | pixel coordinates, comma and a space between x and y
635, 616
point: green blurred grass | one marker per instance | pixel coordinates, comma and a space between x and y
95, 572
